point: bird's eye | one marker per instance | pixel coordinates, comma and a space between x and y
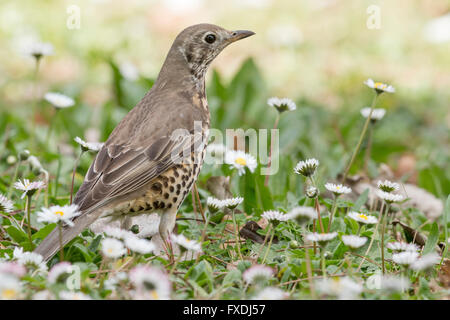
210, 38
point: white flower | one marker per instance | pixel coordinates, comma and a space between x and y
141, 246
321, 238
59, 100
118, 233
214, 204
388, 186
392, 283
43, 295
30, 259
151, 283
402, 246
426, 261
89, 146
58, 270
271, 293
343, 288
112, 282
306, 167
12, 268
232, 202
379, 87
257, 273
240, 160
186, 243
28, 188
129, 71
362, 218
282, 104
72, 295
9, 287
312, 192
302, 214
39, 49
6, 205
337, 188
55, 214
390, 197
274, 216
437, 30
353, 241
377, 113
405, 257
113, 248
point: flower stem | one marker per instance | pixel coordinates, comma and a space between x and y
58, 172
361, 137
268, 247
16, 172
265, 240
316, 203
322, 258
266, 181
61, 248
236, 234
35, 103
383, 230
309, 268
333, 212
29, 221
368, 149
73, 174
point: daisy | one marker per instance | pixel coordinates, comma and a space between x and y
43, 295
24, 154
388, 186
337, 189
362, 218
40, 49
257, 273
72, 295
186, 243
390, 197
283, 104
214, 204
58, 100
379, 87
112, 282
306, 167
5, 204
354, 242
392, 283
88, 146
113, 248
312, 192
30, 260
274, 216
12, 268
425, 262
343, 288
271, 293
28, 188
118, 233
321, 238
55, 214
240, 160
377, 113
138, 245
402, 246
9, 287
59, 271
232, 203
405, 258
151, 283
302, 214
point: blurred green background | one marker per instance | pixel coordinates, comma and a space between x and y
315, 52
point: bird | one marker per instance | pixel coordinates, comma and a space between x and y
153, 156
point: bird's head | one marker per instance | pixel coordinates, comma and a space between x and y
198, 45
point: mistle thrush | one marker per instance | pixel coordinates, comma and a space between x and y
152, 158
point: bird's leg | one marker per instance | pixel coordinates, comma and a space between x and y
166, 225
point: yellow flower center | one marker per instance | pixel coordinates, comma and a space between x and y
363, 216
338, 187
59, 213
154, 294
380, 85
240, 161
109, 250
8, 294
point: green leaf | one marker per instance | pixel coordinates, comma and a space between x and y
202, 274
44, 232
16, 234
234, 276
84, 251
432, 239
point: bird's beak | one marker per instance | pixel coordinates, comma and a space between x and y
240, 34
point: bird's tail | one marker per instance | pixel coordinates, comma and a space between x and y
50, 245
